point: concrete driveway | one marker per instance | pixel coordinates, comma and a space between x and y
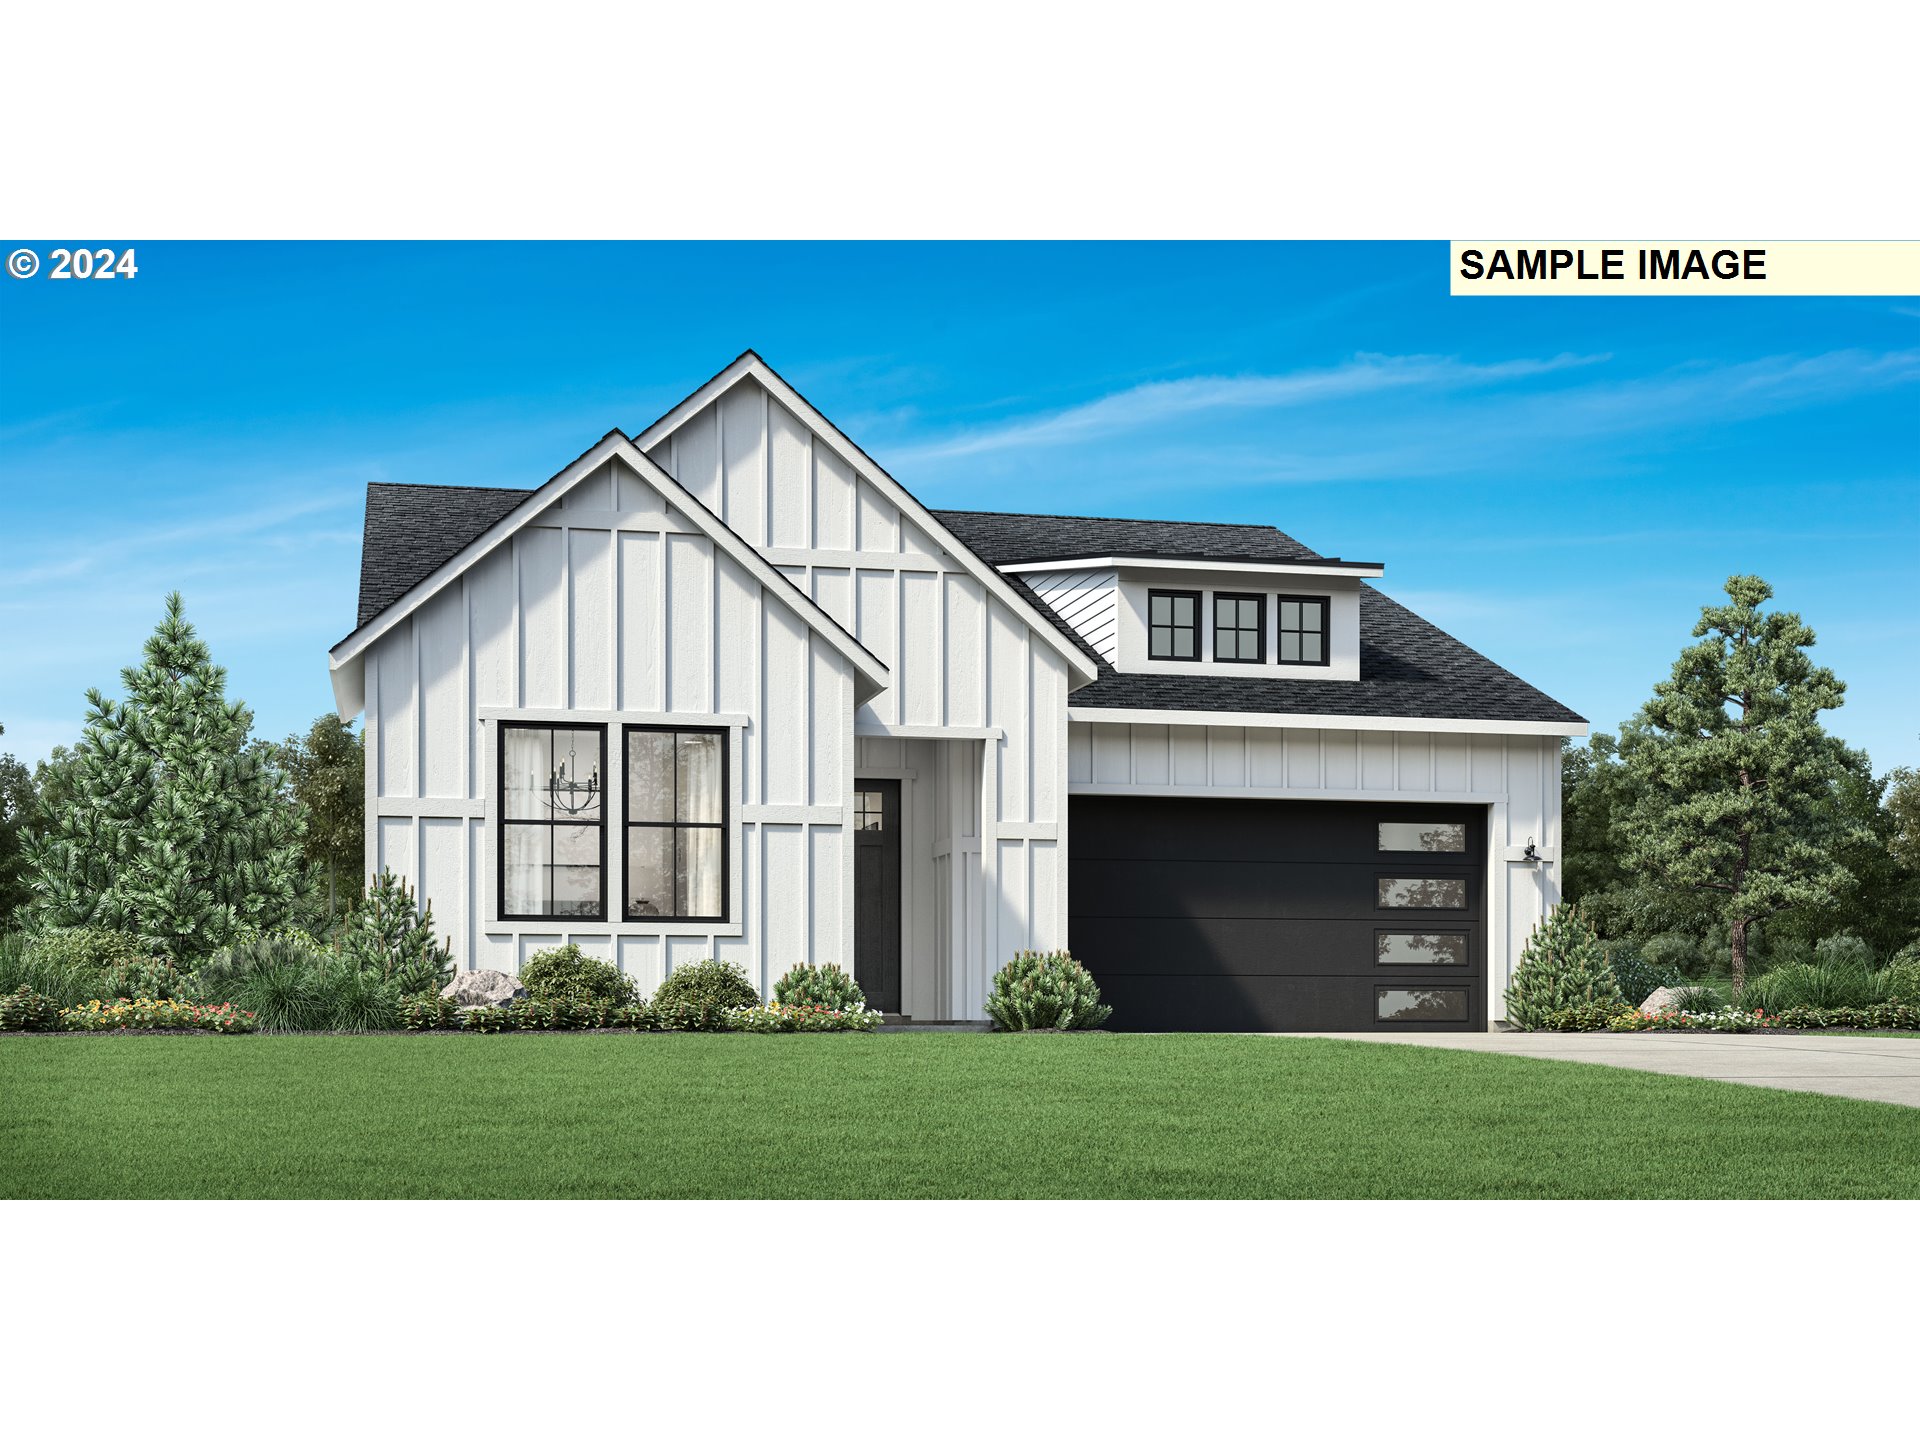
1860, 1067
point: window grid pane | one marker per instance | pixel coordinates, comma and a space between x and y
552, 836
1239, 628
1303, 631
1420, 1006
1173, 625
676, 855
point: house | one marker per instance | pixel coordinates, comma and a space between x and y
726, 688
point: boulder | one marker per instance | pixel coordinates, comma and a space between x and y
480, 989
1660, 1000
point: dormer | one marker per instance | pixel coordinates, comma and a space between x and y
1218, 616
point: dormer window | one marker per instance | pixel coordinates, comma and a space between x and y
1173, 624
1240, 628
1303, 630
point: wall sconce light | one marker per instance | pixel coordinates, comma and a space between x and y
1530, 854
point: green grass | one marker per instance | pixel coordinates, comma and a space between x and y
903, 1115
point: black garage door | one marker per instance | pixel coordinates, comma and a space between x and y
1280, 915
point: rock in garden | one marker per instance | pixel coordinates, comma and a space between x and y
475, 988
1659, 1000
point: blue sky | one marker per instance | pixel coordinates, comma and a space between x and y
1560, 482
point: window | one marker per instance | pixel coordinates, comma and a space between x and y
676, 827
1405, 947
1420, 1006
1421, 894
1433, 836
1303, 630
869, 810
553, 834
1240, 628
1173, 624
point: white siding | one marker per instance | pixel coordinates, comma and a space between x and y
1516, 776
611, 609
960, 659
1088, 600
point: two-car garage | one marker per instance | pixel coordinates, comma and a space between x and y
1232, 914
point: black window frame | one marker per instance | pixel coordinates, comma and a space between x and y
1424, 967
1325, 602
1199, 622
1464, 877
1259, 599
501, 821
724, 825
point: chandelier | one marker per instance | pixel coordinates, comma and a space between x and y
567, 792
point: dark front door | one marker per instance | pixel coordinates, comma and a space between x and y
1204, 914
876, 892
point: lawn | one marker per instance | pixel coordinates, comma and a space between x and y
916, 1114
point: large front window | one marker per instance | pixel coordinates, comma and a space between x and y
676, 827
553, 851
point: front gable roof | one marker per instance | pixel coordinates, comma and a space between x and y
420, 538
1016, 596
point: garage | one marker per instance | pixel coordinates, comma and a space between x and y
1205, 914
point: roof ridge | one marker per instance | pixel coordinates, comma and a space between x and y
421, 485
1121, 519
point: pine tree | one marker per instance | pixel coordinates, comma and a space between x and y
1563, 965
1734, 778
171, 827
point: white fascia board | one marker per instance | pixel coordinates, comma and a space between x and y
1250, 567
349, 651
1261, 720
869, 469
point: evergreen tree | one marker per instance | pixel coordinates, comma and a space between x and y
1562, 966
1733, 778
328, 769
16, 805
170, 826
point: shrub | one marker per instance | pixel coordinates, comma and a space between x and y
1562, 967
490, 1019
1903, 980
290, 982
429, 1012
566, 974
88, 947
158, 1015
1803, 986
1678, 954
1843, 952
1698, 1000
1590, 1016
779, 1019
1045, 991
1889, 1015
825, 987
26, 1010
59, 979
698, 996
389, 935
1637, 976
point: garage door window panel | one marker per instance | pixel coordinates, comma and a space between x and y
1394, 1006
1429, 892
1428, 837
1419, 947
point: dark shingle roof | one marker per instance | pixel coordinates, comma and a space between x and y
412, 530
1408, 667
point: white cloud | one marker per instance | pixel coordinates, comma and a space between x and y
1145, 406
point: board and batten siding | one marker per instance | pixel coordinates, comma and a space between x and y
963, 663
611, 608
1516, 776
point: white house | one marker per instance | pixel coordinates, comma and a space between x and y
728, 689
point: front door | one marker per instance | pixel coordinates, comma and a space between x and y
876, 892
